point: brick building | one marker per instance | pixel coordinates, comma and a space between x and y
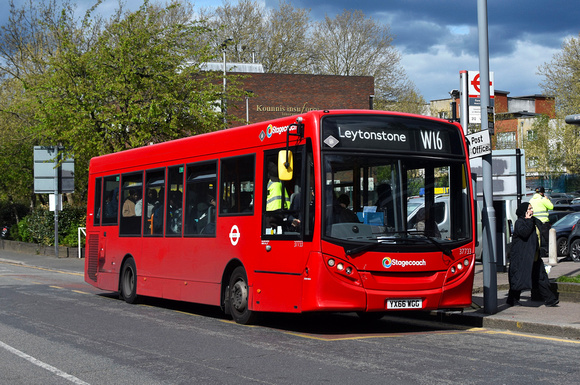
514, 116
278, 95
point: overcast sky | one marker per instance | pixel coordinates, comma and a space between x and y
439, 38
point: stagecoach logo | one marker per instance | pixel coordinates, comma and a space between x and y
234, 235
388, 262
271, 130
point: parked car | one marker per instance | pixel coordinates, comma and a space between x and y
555, 215
554, 196
574, 242
563, 229
570, 207
561, 201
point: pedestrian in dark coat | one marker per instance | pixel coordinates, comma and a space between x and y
525, 271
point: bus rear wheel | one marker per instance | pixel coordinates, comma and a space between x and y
128, 284
238, 297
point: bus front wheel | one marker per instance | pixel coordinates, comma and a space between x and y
238, 297
128, 284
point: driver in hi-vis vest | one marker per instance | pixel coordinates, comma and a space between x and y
274, 199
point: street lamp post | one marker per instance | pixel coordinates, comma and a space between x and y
224, 102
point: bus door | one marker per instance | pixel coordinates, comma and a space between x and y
287, 228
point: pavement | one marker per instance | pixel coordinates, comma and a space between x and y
532, 317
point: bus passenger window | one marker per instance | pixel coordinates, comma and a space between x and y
132, 190
174, 200
110, 200
237, 186
154, 202
97, 205
200, 199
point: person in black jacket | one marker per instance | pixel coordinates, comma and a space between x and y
526, 267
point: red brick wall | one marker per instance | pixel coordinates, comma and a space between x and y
501, 103
546, 106
278, 95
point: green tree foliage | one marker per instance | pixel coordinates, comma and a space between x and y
38, 226
98, 87
138, 83
544, 146
560, 78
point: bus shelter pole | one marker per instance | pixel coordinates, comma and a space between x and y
489, 221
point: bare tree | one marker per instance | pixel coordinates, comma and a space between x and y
285, 44
561, 80
352, 45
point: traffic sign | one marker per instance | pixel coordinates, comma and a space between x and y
479, 144
474, 92
474, 84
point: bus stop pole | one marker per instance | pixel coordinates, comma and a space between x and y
489, 221
57, 177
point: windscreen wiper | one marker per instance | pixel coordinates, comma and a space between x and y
443, 249
362, 248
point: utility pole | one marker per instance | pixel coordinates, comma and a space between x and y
488, 215
224, 100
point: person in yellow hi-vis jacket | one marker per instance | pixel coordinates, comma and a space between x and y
274, 199
541, 204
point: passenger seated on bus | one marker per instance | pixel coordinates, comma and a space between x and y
152, 201
421, 225
129, 204
157, 215
243, 203
174, 212
341, 212
207, 214
111, 204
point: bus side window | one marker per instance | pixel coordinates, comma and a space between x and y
174, 200
237, 185
200, 199
131, 193
153, 206
97, 207
110, 200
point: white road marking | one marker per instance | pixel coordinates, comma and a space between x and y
43, 365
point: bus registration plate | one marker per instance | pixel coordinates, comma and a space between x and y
403, 303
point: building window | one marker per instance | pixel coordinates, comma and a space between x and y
506, 140
532, 135
532, 162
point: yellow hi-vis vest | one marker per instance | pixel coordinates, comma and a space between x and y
274, 201
541, 205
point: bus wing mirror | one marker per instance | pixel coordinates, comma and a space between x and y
285, 165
